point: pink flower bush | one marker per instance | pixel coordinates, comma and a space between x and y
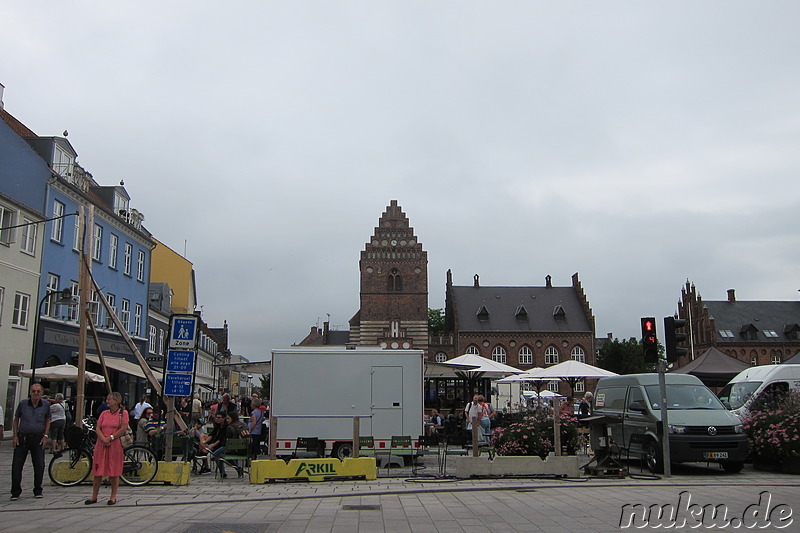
773, 425
532, 434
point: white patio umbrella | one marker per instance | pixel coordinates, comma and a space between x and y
485, 367
571, 371
528, 375
64, 372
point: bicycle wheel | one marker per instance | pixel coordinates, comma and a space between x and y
140, 465
70, 467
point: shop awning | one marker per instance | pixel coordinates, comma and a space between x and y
121, 365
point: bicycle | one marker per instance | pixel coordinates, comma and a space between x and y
72, 466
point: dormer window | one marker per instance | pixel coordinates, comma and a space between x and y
559, 312
62, 162
792, 331
749, 332
521, 313
121, 204
483, 313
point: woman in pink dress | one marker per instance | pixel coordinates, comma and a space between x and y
108, 454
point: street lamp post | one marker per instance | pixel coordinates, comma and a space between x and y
65, 298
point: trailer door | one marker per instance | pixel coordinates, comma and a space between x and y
387, 401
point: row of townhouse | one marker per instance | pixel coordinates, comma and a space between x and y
43, 190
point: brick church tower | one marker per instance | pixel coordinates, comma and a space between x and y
394, 287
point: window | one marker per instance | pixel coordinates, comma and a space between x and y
525, 355
94, 306
73, 309
578, 355
140, 266
97, 242
125, 315
28, 243
53, 282
2, 295
113, 242
776, 359
473, 350
62, 162
394, 281
128, 258
151, 341
726, 334
6, 220
57, 229
161, 335
754, 361
551, 355
112, 303
394, 329
579, 385
22, 304
441, 357
552, 386
77, 239
770, 333
137, 320
120, 204
499, 354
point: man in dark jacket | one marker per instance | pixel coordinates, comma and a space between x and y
31, 426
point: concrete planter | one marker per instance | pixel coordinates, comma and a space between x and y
562, 466
173, 473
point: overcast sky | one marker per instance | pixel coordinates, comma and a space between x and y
636, 143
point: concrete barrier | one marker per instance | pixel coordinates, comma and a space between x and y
563, 466
173, 473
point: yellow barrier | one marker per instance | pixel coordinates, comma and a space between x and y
313, 469
173, 473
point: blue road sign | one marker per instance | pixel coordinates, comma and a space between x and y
180, 361
183, 331
178, 385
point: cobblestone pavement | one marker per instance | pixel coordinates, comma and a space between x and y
395, 502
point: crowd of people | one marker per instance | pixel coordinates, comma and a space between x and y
40, 422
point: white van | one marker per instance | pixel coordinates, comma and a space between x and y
747, 384
700, 428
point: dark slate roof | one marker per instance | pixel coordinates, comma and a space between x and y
762, 315
505, 313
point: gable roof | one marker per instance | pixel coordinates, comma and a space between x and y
738, 317
502, 305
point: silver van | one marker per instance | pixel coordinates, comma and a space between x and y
700, 428
751, 382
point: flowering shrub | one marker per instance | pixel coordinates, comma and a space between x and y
533, 435
773, 425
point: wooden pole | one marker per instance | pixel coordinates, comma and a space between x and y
99, 350
557, 426
273, 431
86, 220
356, 436
476, 427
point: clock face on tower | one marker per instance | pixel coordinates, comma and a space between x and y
394, 242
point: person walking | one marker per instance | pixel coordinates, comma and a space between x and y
138, 409
58, 421
256, 427
108, 455
30, 428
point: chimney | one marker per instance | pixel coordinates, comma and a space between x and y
2, 88
731, 295
476, 283
548, 281
610, 336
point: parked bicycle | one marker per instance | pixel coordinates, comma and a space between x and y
74, 464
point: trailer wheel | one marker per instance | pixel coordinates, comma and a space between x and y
342, 450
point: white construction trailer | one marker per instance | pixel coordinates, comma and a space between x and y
317, 393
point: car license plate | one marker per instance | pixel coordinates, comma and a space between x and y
716, 455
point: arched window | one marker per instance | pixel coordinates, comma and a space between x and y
499, 354
776, 359
441, 357
394, 282
473, 350
754, 361
578, 354
579, 385
551, 355
525, 355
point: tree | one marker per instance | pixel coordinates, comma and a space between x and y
624, 357
263, 390
435, 321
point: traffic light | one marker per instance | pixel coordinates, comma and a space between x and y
649, 340
673, 338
